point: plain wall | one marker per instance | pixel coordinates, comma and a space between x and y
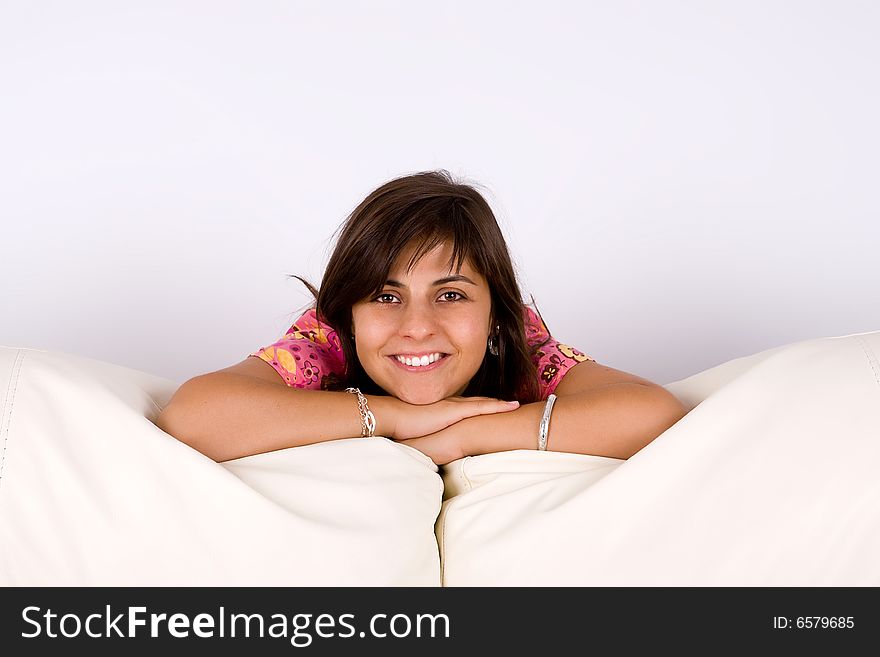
681, 183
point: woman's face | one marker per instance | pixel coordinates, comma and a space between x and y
419, 315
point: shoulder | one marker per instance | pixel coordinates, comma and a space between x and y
536, 331
308, 355
552, 358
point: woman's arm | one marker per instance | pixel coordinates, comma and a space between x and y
615, 420
226, 415
248, 409
599, 410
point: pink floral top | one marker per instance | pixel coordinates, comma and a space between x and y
309, 354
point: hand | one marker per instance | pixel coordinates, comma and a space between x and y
415, 421
442, 446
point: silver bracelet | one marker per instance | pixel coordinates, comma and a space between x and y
545, 422
368, 420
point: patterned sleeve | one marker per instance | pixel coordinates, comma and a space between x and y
308, 355
552, 358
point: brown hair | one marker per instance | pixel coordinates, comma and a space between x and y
429, 208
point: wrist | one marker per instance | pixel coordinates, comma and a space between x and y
385, 411
465, 438
500, 432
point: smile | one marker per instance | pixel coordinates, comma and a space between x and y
419, 368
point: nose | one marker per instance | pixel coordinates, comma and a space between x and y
418, 321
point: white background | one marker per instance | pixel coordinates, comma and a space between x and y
680, 183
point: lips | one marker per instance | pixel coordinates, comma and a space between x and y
421, 368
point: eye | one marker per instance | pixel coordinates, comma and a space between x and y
456, 293
384, 294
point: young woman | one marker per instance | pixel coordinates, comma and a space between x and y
419, 334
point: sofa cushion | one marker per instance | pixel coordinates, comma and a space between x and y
769, 480
92, 493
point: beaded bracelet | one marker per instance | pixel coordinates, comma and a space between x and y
545, 422
368, 420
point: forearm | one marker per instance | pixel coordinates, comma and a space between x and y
227, 416
616, 421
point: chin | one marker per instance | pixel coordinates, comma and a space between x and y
418, 397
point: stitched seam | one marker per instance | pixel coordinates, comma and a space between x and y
470, 484
443, 543
445, 515
872, 359
443, 546
442, 526
8, 403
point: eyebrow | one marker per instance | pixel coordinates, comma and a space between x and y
441, 281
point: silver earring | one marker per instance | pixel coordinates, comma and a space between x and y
493, 344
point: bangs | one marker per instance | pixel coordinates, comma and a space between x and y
461, 250
445, 226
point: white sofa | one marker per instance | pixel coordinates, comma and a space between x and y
770, 480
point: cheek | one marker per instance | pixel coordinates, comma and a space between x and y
366, 346
469, 336
372, 340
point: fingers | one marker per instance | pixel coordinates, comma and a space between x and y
428, 419
506, 405
487, 406
474, 399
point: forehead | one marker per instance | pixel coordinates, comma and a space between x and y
437, 260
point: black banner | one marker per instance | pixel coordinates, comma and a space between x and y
425, 621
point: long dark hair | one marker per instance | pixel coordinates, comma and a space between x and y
428, 208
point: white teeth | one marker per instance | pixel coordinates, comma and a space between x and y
419, 362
